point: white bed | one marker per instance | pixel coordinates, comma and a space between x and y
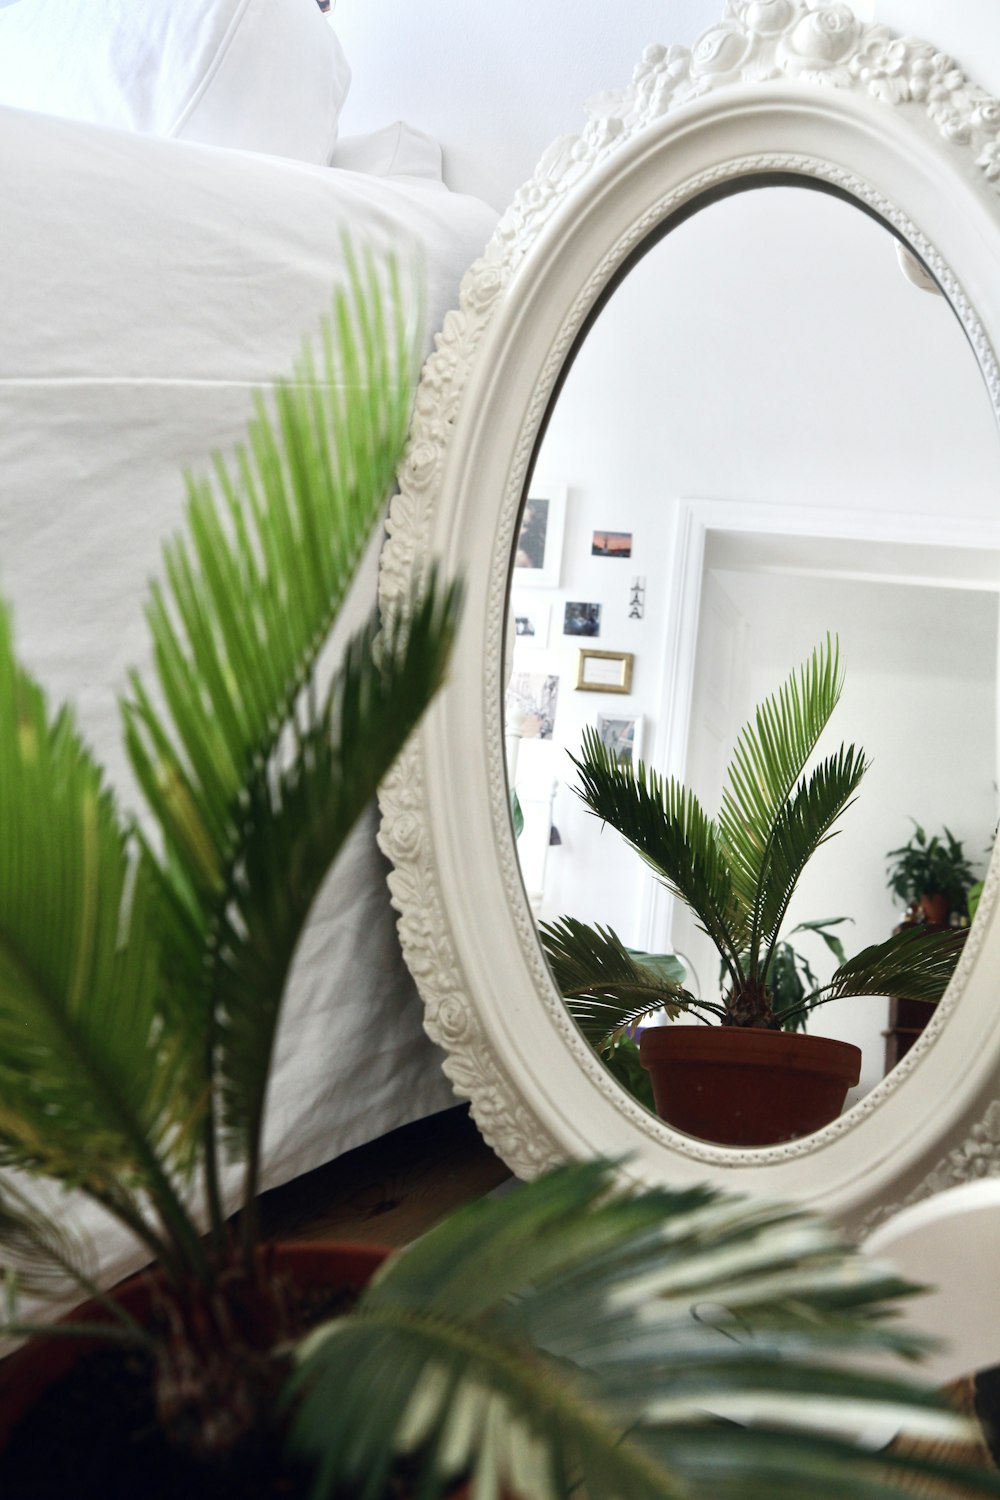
149, 285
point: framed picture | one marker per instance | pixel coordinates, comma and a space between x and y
622, 735
535, 696
531, 623
611, 544
604, 671
538, 553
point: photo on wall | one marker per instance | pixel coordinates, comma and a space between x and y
622, 735
582, 619
611, 544
538, 553
536, 694
531, 624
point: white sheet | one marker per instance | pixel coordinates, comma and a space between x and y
148, 286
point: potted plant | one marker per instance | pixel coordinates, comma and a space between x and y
932, 872
746, 1080
140, 994
143, 966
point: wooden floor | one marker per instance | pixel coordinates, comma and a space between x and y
391, 1190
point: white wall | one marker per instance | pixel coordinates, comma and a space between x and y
496, 84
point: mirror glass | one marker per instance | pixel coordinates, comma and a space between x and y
771, 431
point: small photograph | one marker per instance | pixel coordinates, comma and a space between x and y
611, 544
531, 624
622, 735
582, 619
536, 695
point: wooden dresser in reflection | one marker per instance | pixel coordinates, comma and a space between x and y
907, 1018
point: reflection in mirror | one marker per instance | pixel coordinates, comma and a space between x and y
769, 434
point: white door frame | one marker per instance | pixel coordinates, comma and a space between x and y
696, 518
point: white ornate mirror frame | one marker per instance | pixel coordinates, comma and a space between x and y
785, 89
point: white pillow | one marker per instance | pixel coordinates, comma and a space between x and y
259, 75
397, 150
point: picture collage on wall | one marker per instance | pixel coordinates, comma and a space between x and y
538, 564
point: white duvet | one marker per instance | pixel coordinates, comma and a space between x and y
148, 286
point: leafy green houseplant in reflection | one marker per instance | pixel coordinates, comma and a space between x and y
933, 872
737, 874
562, 1335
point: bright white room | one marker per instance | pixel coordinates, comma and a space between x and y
499, 749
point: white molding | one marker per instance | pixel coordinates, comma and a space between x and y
778, 87
696, 520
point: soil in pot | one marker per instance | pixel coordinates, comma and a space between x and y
93, 1434
745, 1086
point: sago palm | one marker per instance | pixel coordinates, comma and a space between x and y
671, 1345
143, 969
737, 873
559, 1335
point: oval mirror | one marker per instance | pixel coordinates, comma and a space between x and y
804, 436
842, 405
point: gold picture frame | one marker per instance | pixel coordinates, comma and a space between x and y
604, 671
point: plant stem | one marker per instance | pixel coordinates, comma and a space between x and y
213, 1195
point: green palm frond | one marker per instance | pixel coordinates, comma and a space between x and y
41, 1256
800, 827
252, 592
38, 1253
912, 965
87, 1093
770, 756
296, 820
666, 824
251, 595
561, 1336
607, 989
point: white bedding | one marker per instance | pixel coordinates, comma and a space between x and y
148, 287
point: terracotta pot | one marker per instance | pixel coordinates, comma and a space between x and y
936, 909
744, 1086
30, 1370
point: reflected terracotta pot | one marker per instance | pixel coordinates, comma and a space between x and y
744, 1086
936, 909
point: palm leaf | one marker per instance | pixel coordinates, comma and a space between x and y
39, 1254
87, 1093
770, 756
560, 1335
251, 595
666, 824
800, 827
296, 820
608, 989
912, 965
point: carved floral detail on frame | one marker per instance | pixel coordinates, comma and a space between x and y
813, 41
976, 1157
